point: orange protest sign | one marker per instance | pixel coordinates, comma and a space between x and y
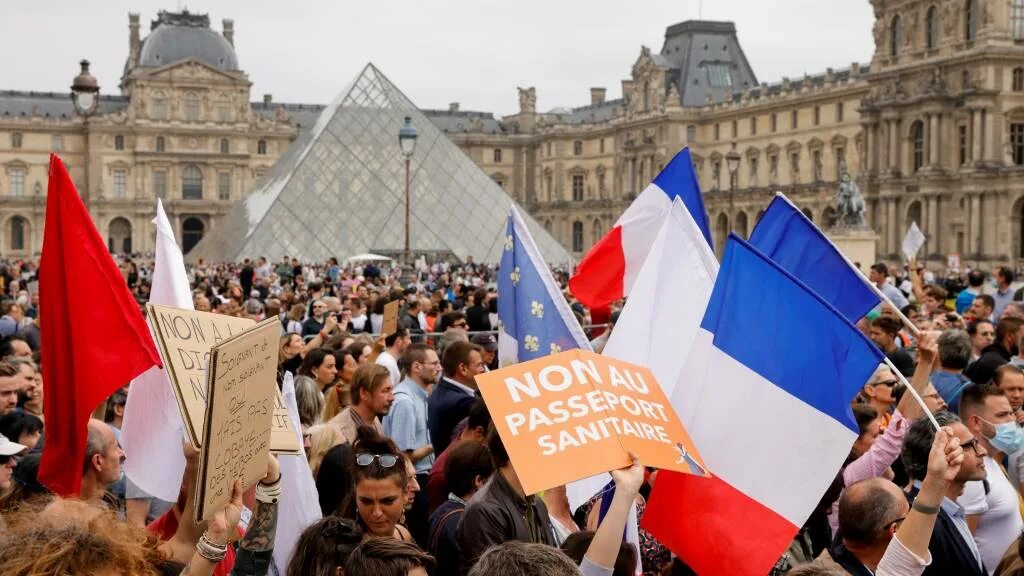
575, 414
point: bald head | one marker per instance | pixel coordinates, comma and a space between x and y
868, 509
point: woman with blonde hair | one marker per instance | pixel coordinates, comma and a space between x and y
322, 438
294, 318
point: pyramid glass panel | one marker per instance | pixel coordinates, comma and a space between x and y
340, 191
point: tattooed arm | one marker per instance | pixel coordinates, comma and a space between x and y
255, 551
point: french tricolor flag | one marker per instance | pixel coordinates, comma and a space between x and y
765, 393
612, 265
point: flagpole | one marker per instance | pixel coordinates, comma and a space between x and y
867, 282
913, 392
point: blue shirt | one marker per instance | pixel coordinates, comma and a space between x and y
406, 422
950, 386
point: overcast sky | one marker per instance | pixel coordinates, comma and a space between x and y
472, 51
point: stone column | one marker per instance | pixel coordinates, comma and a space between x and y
933, 225
978, 148
870, 142
893, 237
894, 146
934, 156
974, 225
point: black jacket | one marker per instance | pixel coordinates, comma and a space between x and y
951, 556
498, 514
447, 406
984, 368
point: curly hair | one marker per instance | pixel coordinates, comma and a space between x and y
76, 544
324, 546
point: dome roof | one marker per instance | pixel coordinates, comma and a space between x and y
176, 37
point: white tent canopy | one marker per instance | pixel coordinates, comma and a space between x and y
369, 258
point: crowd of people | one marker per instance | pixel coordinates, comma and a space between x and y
412, 477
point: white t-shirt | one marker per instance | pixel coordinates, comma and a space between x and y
1000, 523
388, 361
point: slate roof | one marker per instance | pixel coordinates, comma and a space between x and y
15, 103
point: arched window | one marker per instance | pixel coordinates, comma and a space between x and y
895, 37
191, 107
119, 142
192, 230
192, 183
19, 233
161, 145
225, 146
931, 23
917, 144
577, 236
158, 108
119, 236
970, 20
1018, 79
741, 224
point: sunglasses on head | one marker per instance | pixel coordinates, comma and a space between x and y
386, 460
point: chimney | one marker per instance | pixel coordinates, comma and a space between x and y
133, 40
597, 96
229, 31
268, 98
453, 107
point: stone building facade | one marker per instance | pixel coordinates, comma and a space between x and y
932, 130
181, 128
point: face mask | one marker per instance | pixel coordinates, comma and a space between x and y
1009, 437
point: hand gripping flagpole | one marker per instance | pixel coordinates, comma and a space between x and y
913, 392
906, 321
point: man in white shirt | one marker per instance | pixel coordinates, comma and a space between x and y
878, 274
994, 514
396, 344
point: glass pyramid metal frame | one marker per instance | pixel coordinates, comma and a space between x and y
340, 191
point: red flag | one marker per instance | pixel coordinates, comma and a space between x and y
94, 339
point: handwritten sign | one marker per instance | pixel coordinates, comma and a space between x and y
186, 339
239, 414
390, 324
575, 414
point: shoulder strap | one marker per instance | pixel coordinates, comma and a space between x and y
440, 525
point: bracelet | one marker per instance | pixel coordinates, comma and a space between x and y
268, 493
924, 508
210, 550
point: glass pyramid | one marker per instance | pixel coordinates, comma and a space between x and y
340, 191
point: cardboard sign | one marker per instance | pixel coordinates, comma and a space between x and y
953, 261
185, 339
390, 325
239, 414
575, 414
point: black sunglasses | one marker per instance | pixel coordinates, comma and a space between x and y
386, 460
889, 383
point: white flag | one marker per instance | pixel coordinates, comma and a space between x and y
662, 314
913, 241
153, 430
299, 506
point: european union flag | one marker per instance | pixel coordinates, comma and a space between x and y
534, 318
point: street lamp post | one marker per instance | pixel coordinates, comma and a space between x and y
732, 162
407, 142
85, 94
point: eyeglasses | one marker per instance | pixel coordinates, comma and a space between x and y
973, 445
459, 325
889, 383
386, 460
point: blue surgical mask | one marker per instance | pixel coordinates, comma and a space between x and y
1009, 437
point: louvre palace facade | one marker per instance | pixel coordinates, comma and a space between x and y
931, 130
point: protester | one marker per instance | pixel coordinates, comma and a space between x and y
954, 357
993, 509
324, 547
395, 346
8, 450
339, 395
334, 479
102, 466
983, 334
289, 355
878, 393
982, 308
1008, 332
319, 364
309, 401
383, 557
322, 438
884, 332
952, 547
477, 423
21, 427
372, 395
406, 424
10, 386
451, 399
467, 468
379, 481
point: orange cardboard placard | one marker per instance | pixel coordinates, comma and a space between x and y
575, 414
390, 324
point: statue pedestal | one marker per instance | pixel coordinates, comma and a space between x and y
857, 244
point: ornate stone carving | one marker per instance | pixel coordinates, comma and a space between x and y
528, 100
